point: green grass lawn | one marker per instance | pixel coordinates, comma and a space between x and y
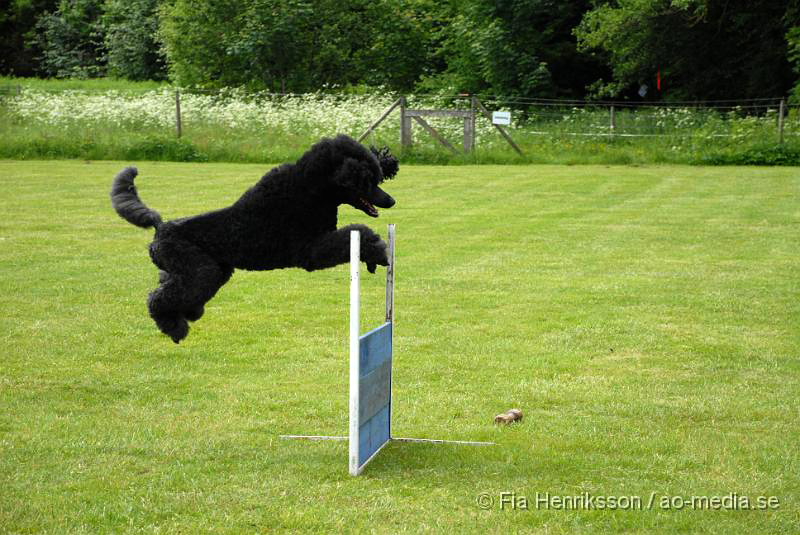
645, 319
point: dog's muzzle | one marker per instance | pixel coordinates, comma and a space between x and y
378, 198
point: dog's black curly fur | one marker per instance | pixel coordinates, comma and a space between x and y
288, 219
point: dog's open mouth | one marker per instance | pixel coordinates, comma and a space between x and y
367, 207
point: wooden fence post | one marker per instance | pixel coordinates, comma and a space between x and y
613, 121
781, 111
469, 127
405, 125
178, 126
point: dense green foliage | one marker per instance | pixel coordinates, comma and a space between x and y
520, 48
293, 45
793, 42
71, 40
131, 40
17, 21
703, 49
706, 49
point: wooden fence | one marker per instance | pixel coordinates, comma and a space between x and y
408, 116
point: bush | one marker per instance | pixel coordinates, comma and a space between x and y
762, 155
164, 149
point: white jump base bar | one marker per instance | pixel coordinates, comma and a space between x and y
394, 439
371, 374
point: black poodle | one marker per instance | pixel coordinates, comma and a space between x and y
288, 219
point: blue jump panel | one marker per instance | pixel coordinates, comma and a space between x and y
374, 392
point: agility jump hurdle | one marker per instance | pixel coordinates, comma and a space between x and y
371, 373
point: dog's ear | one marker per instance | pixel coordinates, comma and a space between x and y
354, 175
388, 163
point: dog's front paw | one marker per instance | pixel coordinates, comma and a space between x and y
375, 254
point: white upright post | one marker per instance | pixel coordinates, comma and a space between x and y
355, 260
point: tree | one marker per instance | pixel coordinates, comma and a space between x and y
131, 27
275, 42
518, 48
294, 45
793, 42
196, 35
17, 20
70, 40
704, 49
401, 47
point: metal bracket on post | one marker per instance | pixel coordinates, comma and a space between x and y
390, 276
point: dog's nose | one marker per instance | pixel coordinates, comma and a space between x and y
381, 199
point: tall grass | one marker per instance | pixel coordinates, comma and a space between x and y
103, 120
10, 84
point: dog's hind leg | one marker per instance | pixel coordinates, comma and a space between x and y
168, 317
189, 278
191, 314
333, 249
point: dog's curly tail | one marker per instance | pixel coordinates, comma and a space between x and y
127, 203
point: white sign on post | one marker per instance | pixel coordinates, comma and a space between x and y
501, 117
